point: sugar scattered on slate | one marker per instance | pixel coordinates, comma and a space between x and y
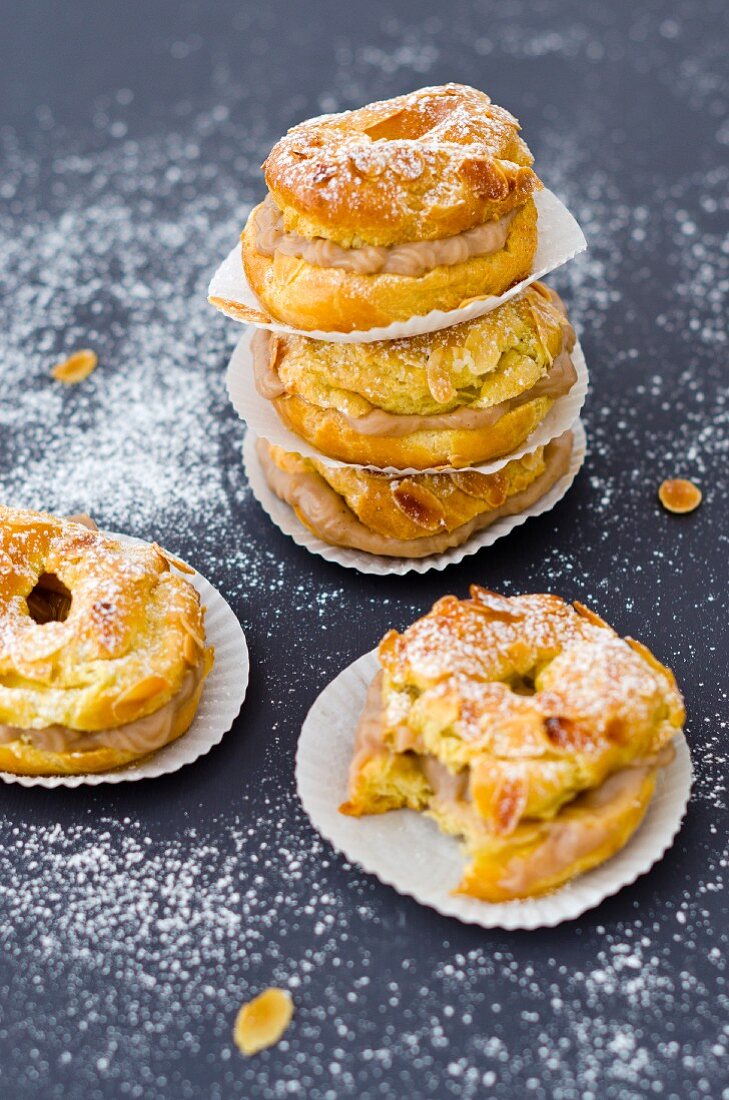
118, 259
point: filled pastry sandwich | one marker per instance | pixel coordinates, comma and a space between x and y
102, 647
524, 726
457, 397
401, 207
408, 516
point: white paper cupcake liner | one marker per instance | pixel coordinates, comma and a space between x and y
222, 696
560, 239
407, 851
260, 415
287, 521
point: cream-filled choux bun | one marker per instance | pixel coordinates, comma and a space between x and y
523, 725
412, 204
408, 516
102, 647
455, 398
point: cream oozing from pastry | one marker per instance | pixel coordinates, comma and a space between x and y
559, 380
143, 735
413, 258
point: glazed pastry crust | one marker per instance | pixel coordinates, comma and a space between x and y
412, 516
134, 630
524, 725
321, 390
422, 166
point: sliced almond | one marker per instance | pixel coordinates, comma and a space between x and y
262, 1022
489, 488
135, 697
190, 650
418, 503
679, 496
439, 380
77, 367
83, 520
181, 566
194, 633
471, 482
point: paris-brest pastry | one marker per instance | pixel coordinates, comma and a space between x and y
453, 398
401, 207
102, 647
525, 726
382, 215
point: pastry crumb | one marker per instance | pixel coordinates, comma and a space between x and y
77, 367
261, 1022
679, 496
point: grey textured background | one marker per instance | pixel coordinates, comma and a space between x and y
134, 920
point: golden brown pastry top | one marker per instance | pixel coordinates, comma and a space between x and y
421, 166
119, 650
539, 698
477, 364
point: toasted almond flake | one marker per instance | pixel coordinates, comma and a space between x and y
679, 496
77, 367
439, 380
138, 694
261, 1022
194, 633
83, 520
170, 559
190, 650
418, 503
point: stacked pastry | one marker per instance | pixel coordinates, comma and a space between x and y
373, 217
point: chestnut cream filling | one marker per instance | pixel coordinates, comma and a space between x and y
141, 736
559, 380
413, 258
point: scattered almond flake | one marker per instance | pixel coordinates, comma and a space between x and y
679, 496
77, 367
261, 1022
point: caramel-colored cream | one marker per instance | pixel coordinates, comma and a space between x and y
559, 380
141, 736
414, 258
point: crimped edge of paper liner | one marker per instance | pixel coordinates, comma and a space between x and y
560, 240
222, 698
324, 750
284, 517
261, 415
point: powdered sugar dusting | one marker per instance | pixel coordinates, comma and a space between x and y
136, 922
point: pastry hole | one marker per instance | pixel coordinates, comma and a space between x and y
50, 600
523, 685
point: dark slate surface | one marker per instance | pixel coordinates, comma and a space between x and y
136, 919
